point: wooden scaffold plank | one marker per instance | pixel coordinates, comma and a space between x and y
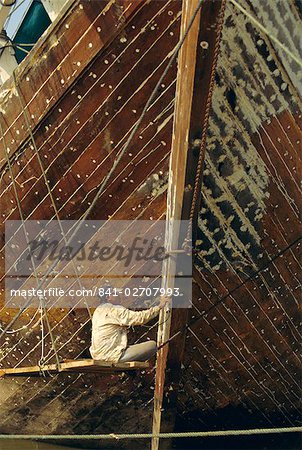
78, 366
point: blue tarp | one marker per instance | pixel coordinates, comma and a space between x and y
33, 26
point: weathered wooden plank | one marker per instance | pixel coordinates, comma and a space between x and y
85, 365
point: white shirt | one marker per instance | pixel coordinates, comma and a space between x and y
109, 329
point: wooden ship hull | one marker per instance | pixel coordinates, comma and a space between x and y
79, 94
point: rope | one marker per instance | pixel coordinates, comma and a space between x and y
20, 48
21, 328
83, 325
17, 201
267, 33
41, 361
53, 341
42, 332
189, 434
205, 123
25, 44
12, 45
27, 241
32, 137
117, 160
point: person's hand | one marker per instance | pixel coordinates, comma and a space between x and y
164, 300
